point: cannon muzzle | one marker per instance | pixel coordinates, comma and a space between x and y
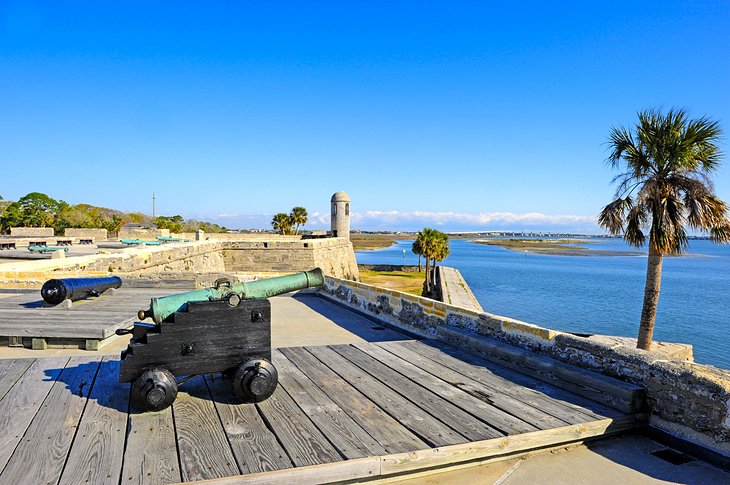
56, 291
161, 308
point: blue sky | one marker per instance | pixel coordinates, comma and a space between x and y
459, 115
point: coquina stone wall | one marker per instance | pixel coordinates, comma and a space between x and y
31, 232
83, 233
334, 255
692, 399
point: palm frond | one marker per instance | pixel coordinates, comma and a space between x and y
613, 216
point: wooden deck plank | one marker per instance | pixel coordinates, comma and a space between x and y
339, 428
418, 421
449, 455
338, 472
495, 417
10, 371
501, 395
23, 400
391, 434
620, 395
77, 330
150, 457
484, 371
301, 439
254, 445
442, 409
40, 456
202, 443
97, 451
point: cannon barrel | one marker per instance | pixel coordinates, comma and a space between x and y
56, 291
163, 307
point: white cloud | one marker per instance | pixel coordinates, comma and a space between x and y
445, 220
476, 219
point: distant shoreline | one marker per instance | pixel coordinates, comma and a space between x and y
554, 247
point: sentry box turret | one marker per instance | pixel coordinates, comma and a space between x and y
226, 328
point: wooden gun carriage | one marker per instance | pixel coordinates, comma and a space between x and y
224, 329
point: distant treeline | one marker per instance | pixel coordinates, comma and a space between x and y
40, 210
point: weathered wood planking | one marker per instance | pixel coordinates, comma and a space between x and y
340, 471
391, 434
68, 327
496, 418
202, 444
150, 457
620, 395
92, 318
343, 412
96, 453
10, 372
446, 455
446, 412
23, 400
254, 445
491, 373
301, 439
339, 428
418, 421
40, 456
501, 394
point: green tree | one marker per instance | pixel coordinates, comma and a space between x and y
416, 249
298, 217
11, 217
440, 252
282, 223
666, 160
39, 210
433, 245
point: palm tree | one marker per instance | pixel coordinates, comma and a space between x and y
416, 249
434, 246
440, 252
424, 242
667, 161
298, 217
282, 223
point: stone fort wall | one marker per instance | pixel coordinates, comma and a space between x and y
335, 256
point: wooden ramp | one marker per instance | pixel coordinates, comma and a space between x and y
340, 412
87, 324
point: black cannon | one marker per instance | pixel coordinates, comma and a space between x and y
224, 329
56, 291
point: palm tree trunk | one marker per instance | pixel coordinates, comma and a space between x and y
433, 275
428, 288
651, 298
419, 263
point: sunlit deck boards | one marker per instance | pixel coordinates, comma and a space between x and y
25, 314
364, 409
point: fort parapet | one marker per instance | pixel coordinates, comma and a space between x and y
334, 255
31, 232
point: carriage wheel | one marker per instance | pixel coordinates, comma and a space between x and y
154, 390
255, 380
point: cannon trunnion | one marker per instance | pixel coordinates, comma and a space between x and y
232, 336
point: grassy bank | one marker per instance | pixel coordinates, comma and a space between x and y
555, 247
363, 242
395, 280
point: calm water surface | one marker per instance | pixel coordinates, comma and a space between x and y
597, 294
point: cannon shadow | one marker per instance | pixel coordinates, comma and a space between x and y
95, 381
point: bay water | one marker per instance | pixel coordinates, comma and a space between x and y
596, 294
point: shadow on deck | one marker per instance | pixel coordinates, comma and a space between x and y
379, 406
